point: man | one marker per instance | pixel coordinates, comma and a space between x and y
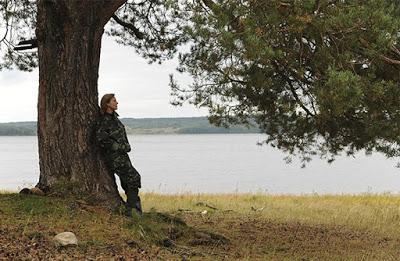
111, 136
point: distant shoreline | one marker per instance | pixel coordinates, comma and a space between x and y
145, 126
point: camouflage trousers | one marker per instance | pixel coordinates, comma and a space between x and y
121, 165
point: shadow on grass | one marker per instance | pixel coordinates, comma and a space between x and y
151, 229
173, 233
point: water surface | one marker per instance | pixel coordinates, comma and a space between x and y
218, 163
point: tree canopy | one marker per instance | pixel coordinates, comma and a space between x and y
319, 77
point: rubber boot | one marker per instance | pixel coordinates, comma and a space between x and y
128, 210
133, 202
138, 207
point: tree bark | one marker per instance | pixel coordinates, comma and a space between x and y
69, 41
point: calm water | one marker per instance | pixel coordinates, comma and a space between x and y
218, 163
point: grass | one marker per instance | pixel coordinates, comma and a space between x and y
207, 227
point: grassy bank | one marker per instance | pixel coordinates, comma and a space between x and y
206, 227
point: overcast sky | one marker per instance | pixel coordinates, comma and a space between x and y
141, 89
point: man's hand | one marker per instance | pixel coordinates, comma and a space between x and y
121, 147
115, 146
126, 147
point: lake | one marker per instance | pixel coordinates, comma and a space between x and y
219, 163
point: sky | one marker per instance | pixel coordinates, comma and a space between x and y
141, 89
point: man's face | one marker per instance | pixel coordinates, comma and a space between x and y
113, 104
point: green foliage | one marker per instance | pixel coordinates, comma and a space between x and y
318, 77
158, 28
17, 22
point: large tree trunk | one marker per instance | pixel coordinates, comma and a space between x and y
69, 36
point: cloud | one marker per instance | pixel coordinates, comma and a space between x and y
142, 89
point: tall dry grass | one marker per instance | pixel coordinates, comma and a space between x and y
378, 213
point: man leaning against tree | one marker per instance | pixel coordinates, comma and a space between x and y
114, 144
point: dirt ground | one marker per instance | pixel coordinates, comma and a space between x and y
249, 239
26, 234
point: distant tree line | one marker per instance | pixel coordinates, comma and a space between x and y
193, 125
18, 129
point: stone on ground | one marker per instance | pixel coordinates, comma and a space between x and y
66, 239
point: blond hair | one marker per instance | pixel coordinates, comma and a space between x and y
104, 101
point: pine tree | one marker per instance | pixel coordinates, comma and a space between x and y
318, 77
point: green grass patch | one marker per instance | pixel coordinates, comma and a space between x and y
208, 227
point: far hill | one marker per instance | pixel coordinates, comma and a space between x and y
191, 125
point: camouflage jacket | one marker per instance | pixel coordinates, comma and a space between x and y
111, 135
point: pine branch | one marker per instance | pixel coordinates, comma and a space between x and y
129, 26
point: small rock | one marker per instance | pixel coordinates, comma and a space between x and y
37, 191
32, 191
204, 212
65, 239
25, 191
